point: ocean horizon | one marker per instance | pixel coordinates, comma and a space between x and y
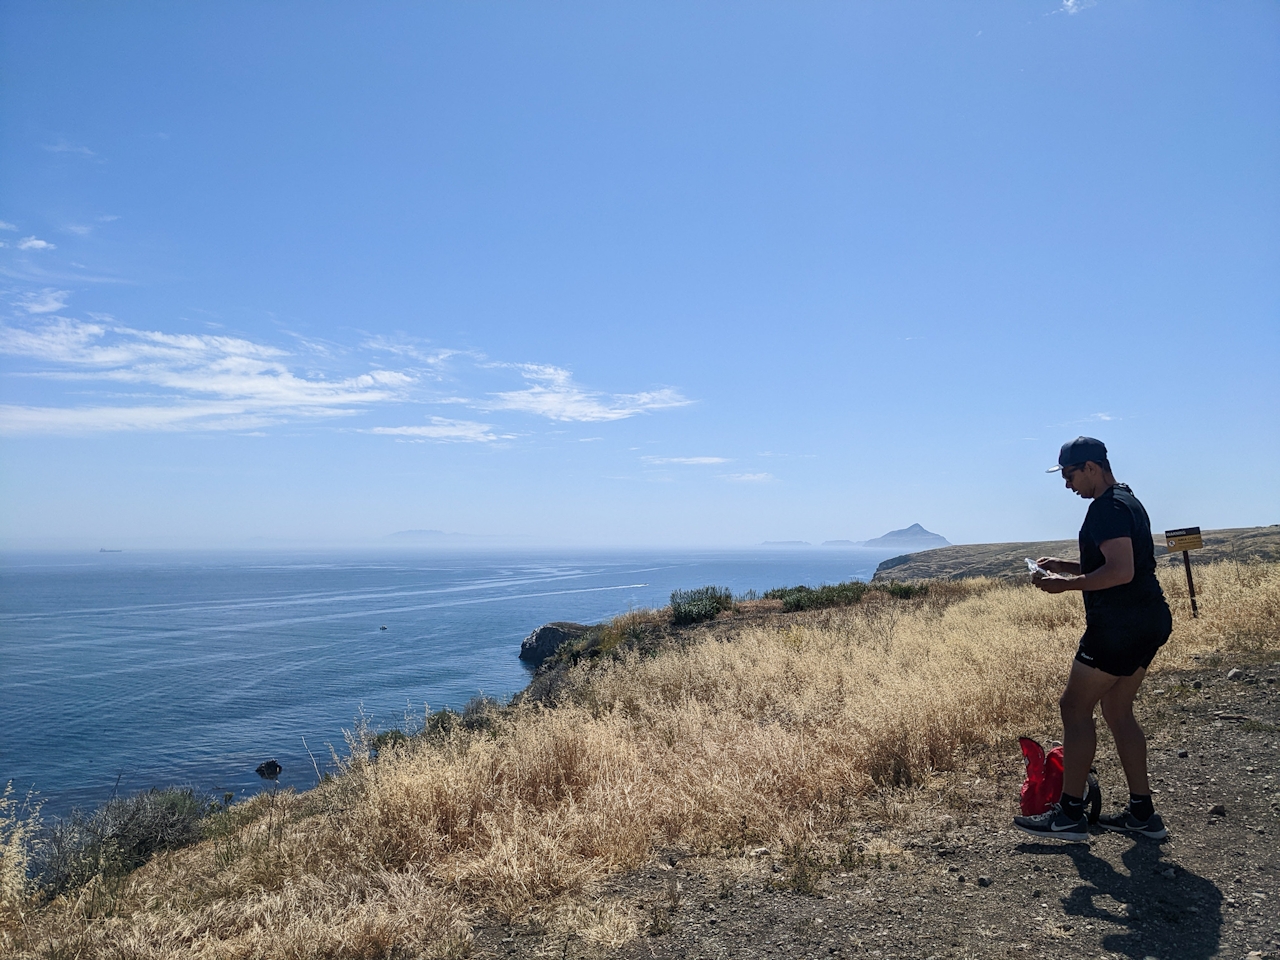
131, 670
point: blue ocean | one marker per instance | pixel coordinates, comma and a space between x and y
123, 671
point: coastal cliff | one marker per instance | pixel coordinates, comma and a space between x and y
797, 778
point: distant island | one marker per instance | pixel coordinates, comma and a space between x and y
419, 535
912, 538
915, 536
440, 538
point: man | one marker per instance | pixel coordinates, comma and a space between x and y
1126, 622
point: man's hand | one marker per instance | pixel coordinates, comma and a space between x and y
1054, 584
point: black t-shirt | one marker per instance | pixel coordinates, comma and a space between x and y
1117, 513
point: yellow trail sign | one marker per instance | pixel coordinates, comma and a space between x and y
1187, 538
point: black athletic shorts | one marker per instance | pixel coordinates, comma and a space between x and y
1120, 642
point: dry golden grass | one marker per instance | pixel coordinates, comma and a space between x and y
18, 825
788, 733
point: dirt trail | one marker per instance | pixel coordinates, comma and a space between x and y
954, 879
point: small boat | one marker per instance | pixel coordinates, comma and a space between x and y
383, 627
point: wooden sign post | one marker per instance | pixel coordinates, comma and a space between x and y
1186, 540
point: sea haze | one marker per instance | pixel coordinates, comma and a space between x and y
127, 671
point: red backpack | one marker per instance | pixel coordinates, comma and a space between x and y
1043, 785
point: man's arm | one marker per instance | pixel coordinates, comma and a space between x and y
1117, 569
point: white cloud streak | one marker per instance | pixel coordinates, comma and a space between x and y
128, 380
686, 461
62, 146
18, 420
554, 395
402, 348
205, 382
446, 431
750, 477
6, 225
47, 300
35, 243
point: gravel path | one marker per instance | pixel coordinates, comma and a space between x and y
956, 880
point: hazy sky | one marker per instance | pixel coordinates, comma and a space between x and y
633, 273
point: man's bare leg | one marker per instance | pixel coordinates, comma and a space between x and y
1085, 687
1131, 742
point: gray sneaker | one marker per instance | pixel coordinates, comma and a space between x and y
1055, 825
1126, 822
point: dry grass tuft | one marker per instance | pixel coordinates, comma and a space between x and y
787, 734
19, 822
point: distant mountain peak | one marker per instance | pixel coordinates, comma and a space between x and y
914, 535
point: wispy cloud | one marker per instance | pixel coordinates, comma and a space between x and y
6, 225
47, 300
35, 243
553, 394
1075, 6
440, 429
17, 420
749, 477
31, 271
688, 461
413, 349
1091, 418
62, 146
202, 382
79, 229
131, 379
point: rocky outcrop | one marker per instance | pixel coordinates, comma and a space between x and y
547, 639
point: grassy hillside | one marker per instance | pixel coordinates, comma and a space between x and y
1005, 560
761, 727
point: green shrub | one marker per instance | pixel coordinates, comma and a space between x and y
481, 713
693, 606
387, 738
827, 595
840, 594
904, 591
119, 836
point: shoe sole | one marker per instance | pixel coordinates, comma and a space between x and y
1137, 833
1064, 836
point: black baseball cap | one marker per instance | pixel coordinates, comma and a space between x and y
1080, 450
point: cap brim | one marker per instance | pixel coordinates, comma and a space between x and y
1054, 469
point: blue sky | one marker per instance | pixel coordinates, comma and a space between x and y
632, 273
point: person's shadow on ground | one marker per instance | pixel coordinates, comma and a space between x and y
1176, 917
